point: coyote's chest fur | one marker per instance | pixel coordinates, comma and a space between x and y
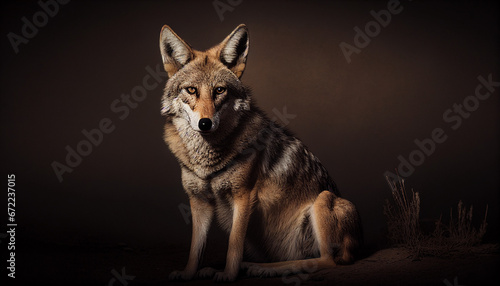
205, 159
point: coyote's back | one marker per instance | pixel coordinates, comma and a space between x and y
271, 194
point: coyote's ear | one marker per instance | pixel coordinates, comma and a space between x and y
174, 51
234, 50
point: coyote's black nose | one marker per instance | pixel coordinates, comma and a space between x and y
205, 124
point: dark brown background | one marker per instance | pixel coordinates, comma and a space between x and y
357, 118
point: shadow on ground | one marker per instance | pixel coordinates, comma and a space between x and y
91, 264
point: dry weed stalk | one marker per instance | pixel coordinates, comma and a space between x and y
403, 215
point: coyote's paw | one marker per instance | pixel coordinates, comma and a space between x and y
206, 273
246, 265
225, 277
259, 271
180, 275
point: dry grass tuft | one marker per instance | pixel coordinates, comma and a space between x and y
456, 237
403, 215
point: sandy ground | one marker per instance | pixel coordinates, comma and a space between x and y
60, 264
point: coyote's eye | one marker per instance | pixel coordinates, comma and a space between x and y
191, 90
220, 90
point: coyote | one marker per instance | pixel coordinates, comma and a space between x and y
267, 190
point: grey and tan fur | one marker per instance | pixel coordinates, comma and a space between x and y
265, 188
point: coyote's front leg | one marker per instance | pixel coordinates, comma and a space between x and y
201, 214
241, 216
